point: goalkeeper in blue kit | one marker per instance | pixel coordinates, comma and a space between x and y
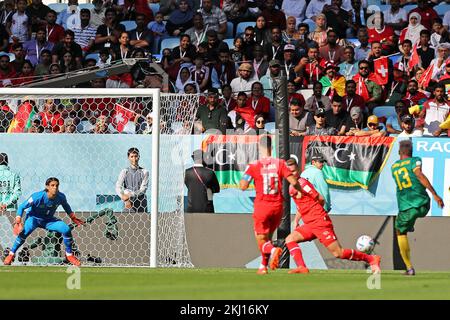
41, 207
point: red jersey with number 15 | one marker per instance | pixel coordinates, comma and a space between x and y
268, 174
308, 204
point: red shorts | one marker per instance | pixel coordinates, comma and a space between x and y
323, 231
267, 217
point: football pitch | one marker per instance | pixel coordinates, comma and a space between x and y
217, 284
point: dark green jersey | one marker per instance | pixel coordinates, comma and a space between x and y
410, 192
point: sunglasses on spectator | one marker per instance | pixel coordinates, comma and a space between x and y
373, 124
363, 68
260, 121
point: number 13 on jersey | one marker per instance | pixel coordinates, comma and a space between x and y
402, 178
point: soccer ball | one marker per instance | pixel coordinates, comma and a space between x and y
364, 243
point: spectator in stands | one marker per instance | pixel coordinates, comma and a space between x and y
319, 35
213, 45
374, 129
334, 80
304, 42
274, 17
249, 42
5, 12
408, 129
366, 85
69, 126
33, 48
7, 72
362, 51
101, 126
245, 79
426, 53
19, 56
236, 11
122, 50
201, 183
180, 19
320, 128
440, 34
332, 52
200, 72
403, 62
36, 12
295, 9
338, 19
68, 63
26, 75
224, 70
397, 88
211, 115
435, 111
109, 32
98, 13
293, 94
132, 7
290, 61
351, 99
266, 80
156, 33
412, 32
299, 118
260, 64
349, 68
356, 122
227, 102
214, 18
315, 8
198, 31
85, 32
260, 124
317, 100
185, 52
382, 33
291, 35
68, 45
6, 115
438, 63
393, 123
72, 10
426, 13
258, 102
309, 70
50, 117
4, 39
337, 117
236, 119
413, 95
55, 32
184, 77
445, 79
54, 70
18, 25
262, 35
45, 59
274, 49
396, 17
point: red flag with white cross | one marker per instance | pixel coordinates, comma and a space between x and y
121, 117
380, 67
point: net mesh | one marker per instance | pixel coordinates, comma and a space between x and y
90, 168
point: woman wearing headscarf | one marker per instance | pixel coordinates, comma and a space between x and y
412, 31
181, 19
183, 78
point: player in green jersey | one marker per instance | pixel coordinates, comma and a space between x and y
412, 198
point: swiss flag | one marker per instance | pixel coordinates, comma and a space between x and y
380, 67
414, 60
121, 117
425, 78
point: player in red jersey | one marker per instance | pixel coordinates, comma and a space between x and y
317, 224
268, 174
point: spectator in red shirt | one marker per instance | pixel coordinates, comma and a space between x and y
352, 99
292, 94
7, 72
258, 102
51, 118
426, 12
55, 33
413, 95
382, 33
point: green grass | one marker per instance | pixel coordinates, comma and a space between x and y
223, 284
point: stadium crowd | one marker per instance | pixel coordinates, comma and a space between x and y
354, 58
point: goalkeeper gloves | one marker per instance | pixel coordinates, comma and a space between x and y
18, 226
75, 220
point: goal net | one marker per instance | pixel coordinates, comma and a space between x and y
82, 137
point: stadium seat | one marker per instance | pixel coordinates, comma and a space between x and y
270, 127
395, 58
128, 24
95, 56
409, 7
441, 9
311, 24
354, 41
86, 6
384, 7
155, 7
229, 42
58, 7
240, 28
384, 111
169, 43
11, 55
230, 30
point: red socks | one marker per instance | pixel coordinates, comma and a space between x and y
355, 255
296, 253
266, 249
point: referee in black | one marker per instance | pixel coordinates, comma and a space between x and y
201, 183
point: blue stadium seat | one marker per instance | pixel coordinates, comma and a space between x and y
409, 7
230, 30
384, 111
229, 42
155, 7
441, 9
354, 41
86, 6
240, 28
384, 7
11, 55
311, 24
170, 43
270, 127
95, 56
129, 24
58, 7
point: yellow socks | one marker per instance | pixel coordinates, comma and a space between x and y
404, 249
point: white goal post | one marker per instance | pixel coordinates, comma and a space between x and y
88, 166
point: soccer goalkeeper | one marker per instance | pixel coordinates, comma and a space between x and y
42, 207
